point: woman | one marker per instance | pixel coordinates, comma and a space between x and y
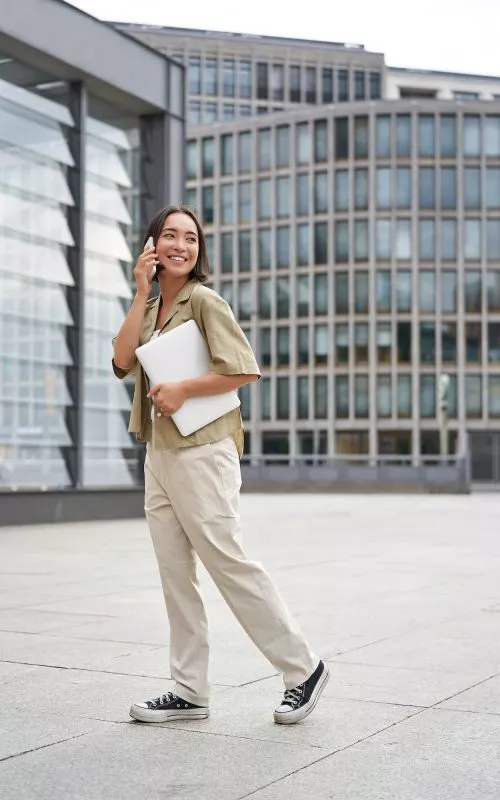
192, 483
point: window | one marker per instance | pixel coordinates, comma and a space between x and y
264, 248
427, 396
427, 291
341, 190
448, 136
302, 194
341, 242
361, 396
244, 251
384, 342
384, 192
375, 86
303, 345
226, 154
448, 240
320, 192
194, 75
209, 112
361, 241
427, 343
303, 296
427, 188
282, 146
244, 300
403, 187
265, 298
245, 399
226, 204
449, 292
191, 202
403, 135
404, 396
493, 290
472, 135
448, 187
320, 397
264, 198
383, 136
403, 333
361, 346
264, 149
277, 82
244, 152
228, 111
403, 240
427, 239
493, 187
341, 396
384, 396
265, 346
226, 291
227, 252
472, 240
383, 239
361, 293
321, 294
403, 291
361, 137
449, 342
262, 80
283, 247
282, 197
493, 239
192, 160
210, 77
342, 85
473, 291
473, 396
320, 345
473, 343
275, 443
492, 135
265, 399
494, 396
320, 243
207, 203
359, 84
360, 190
327, 85
303, 245
384, 291
311, 85
295, 93
426, 135
282, 298
320, 141
207, 157
303, 397
245, 79
341, 138
228, 77
245, 201
303, 143
472, 187
341, 293
465, 95
194, 112
283, 339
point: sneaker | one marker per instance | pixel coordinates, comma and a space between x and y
166, 708
299, 702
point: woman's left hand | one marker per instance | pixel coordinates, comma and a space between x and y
168, 397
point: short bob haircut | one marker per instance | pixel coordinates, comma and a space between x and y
201, 268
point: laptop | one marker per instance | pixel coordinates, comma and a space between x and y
182, 354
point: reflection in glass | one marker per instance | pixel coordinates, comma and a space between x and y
342, 85
448, 291
341, 344
384, 342
303, 244
327, 84
320, 345
282, 298
311, 85
303, 143
303, 296
384, 291
383, 239
472, 239
403, 240
427, 239
403, 290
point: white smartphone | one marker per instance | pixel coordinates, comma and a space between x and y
150, 243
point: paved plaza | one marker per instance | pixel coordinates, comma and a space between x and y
401, 594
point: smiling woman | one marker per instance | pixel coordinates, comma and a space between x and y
192, 483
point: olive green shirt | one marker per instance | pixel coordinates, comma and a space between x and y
230, 353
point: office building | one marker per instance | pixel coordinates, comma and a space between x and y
75, 96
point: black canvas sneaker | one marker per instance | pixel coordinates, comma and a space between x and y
166, 708
299, 702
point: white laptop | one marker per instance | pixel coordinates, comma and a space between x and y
182, 354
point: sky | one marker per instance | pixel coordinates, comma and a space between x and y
450, 35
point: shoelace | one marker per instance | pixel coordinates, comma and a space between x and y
161, 701
293, 696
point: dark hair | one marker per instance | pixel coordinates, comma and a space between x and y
201, 268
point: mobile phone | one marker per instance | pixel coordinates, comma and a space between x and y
150, 243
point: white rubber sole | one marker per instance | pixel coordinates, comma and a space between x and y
150, 715
292, 717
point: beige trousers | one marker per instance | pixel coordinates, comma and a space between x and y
192, 507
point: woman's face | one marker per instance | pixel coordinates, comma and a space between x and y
177, 246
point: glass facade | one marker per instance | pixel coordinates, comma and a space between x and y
377, 246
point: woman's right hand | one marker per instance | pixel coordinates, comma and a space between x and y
144, 271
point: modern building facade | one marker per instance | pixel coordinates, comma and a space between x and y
91, 143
